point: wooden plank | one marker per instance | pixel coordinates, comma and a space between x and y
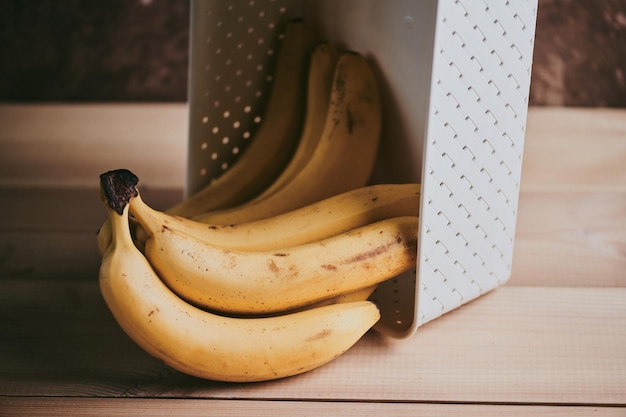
51, 232
69, 145
95, 407
575, 149
68, 209
527, 345
531, 346
49, 255
570, 239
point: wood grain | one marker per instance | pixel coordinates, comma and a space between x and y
570, 239
514, 345
50, 232
575, 149
97, 407
552, 341
571, 227
69, 145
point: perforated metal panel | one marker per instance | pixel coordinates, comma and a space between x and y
233, 49
455, 79
473, 159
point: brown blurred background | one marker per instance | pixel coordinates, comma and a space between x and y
137, 50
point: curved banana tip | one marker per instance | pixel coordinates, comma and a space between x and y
117, 187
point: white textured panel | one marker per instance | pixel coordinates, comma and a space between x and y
473, 158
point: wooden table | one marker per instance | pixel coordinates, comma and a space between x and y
551, 342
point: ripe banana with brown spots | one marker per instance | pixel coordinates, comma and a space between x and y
212, 346
317, 221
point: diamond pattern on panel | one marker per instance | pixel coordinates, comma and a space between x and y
481, 77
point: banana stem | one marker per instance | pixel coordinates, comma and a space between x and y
117, 187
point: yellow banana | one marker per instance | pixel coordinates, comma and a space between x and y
349, 297
261, 282
317, 221
321, 74
215, 347
105, 236
276, 139
344, 157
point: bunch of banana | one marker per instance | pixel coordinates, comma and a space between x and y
275, 140
266, 272
282, 311
206, 345
335, 158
